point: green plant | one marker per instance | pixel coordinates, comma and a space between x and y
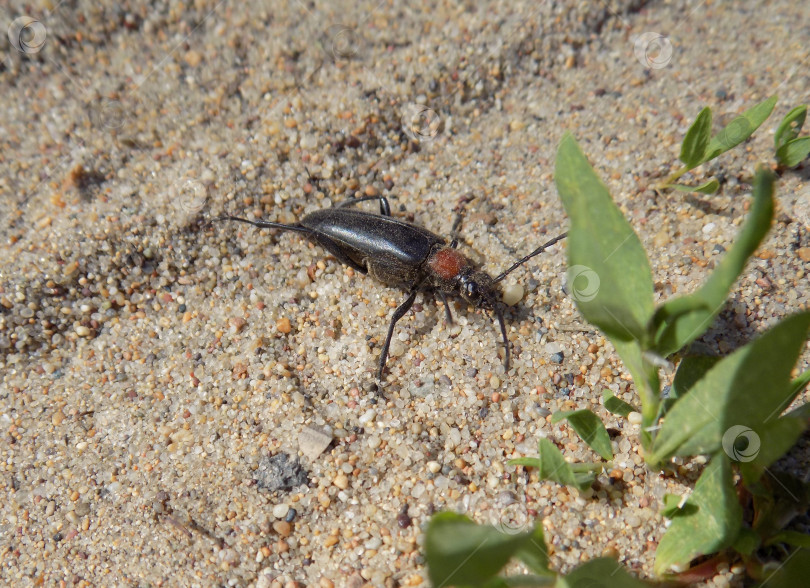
713, 402
699, 146
461, 553
729, 409
791, 149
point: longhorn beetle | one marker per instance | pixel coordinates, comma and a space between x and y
401, 254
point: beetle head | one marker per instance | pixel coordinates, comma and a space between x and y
478, 288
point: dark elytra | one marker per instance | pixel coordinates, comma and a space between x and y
404, 255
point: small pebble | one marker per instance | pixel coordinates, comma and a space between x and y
313, 441
512, 294
374, 543
634, 418
280, 510
556, 357
83, 509
341, 481
403, 519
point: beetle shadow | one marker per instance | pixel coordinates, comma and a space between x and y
434, 314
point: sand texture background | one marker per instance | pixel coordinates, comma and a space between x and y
154, 366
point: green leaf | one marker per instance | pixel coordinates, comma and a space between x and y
790, 127
778, 498
793, 538
461, 553
552, 466
609, 274
691, 369
709, 187
616, 405
793, 572
534, 553
645, 377
680, 321
773, 439
747, 541
601, 572
738, 400
739, 129
589, 428
801, 381
793, 152
711, 527
697, 138
522, 581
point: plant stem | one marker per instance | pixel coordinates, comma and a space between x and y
672, 178
591, 466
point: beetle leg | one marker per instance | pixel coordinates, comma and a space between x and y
499, 313
443, 298
398, 314
454, 230
385, 208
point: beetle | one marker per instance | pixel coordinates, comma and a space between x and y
401, 254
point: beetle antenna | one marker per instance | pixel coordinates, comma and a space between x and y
537, 251
262, 224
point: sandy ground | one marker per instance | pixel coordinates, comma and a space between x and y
154, 365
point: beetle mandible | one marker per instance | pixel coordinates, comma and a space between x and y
401, 254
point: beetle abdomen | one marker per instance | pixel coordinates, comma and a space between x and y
372, 237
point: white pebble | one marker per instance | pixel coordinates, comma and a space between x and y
634, 418
434, 467
374, 543
280, 510
397, 349
367, 416
512, 294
